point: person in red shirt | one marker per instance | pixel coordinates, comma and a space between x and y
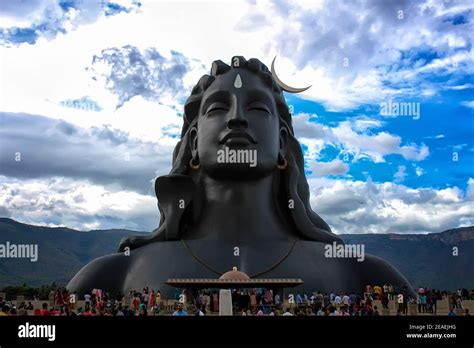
45, 312
58, 299
151, 300
136, 301
66, 299
98, 303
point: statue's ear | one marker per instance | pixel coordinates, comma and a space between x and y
193, 141
283, 140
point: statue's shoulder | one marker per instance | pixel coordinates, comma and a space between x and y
105, 272
378, 271
374, 265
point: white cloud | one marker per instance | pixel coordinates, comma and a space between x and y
57, 72
468, 103
26, 21
24, 13
128, 72
335, 167
377, 146
461, 87
364, 123
355, 137
366, 207
419, 171
76, 204
315, 39
310, 38
304, 128
348, 206
400, 175
470, 189
103, 155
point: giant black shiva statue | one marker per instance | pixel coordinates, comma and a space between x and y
237, 195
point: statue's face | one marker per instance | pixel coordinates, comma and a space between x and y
238, 133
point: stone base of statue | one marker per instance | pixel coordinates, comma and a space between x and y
225, 302
51, 299
412, 309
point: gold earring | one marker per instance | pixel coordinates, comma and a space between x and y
194, 166
284, 165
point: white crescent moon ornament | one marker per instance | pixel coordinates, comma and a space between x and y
284, 86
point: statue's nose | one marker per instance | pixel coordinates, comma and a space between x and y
237, 119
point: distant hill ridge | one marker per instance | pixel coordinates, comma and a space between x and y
425, 259
451, 236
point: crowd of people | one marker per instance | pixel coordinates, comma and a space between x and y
246, 302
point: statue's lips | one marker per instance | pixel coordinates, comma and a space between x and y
241, 138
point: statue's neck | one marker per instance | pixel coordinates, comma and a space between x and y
239, 211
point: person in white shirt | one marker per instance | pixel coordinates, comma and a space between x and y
87, 299
287, 313
277, 300
337, 300
345, 299
201, 312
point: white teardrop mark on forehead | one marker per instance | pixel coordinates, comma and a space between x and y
238, 81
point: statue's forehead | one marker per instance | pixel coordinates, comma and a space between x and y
240, 82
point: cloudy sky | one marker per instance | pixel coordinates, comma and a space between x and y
92, 92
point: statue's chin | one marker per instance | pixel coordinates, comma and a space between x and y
237, 171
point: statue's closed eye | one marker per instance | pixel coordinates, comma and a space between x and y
259, 106
216, 107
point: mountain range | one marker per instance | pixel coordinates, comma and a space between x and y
425, 259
